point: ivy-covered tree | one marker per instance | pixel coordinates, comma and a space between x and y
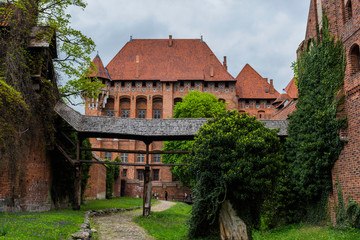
236, 158
313, 144
194, 105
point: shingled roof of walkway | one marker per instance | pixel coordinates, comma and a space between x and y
147, 130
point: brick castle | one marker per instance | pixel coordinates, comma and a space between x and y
148, 77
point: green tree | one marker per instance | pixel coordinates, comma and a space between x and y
313, 144
74, 47
236, 158
194, 105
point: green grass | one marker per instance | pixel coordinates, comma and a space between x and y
124, 202
170, 224
48, 225
303, 232
54, 224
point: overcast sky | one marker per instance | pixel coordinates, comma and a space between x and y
263, 33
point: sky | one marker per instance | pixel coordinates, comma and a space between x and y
262, 33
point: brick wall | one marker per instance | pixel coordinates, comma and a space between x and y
25, 180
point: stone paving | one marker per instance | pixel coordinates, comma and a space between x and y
121, 226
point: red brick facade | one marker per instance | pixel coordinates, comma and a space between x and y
344, 20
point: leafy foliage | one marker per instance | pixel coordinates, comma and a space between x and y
194, 105
12, 106
313, 144
74, 47
234, 157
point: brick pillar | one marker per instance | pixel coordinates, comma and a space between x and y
117, 105
132, 107
149, 106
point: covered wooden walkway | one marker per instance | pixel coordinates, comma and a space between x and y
146, 130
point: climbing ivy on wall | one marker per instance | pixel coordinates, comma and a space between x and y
313, 144
12, 106
112, 173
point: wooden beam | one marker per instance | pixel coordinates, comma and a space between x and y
68, 158
133, 151
133, 164
67, 138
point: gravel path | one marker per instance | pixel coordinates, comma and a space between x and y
121, 226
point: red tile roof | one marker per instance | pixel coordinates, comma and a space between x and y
283, 114
291, 89
251, 84
100, 71
154, 59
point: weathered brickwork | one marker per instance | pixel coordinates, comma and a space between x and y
345, 24
25, 185
96, 186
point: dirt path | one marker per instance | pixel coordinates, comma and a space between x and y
120, 225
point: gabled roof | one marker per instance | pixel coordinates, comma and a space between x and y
100, 71
251, 84
283, 114
154, 59
291, 89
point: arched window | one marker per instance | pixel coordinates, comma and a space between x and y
177, 100
355, 58
109, 107
125, 107
141, 107
348, 10
222, 100
157, 107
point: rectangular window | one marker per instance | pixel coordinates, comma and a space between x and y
124, 173
124, 157
205, 84
154, 84
108, 155
110, 113
140, 173
155, 175
227, 85
157, 158
141, 157
216, 85
133, 83
123, 84
157, 114
125, 113
141, 113
143, 84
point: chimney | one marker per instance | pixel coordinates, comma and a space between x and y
211, 65
225, 63
271, 88
266, 79
137, 66
171, 41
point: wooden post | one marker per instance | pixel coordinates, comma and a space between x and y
147, 185
77, 182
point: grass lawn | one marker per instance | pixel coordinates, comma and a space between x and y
303, 232
170, 224
54, 224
